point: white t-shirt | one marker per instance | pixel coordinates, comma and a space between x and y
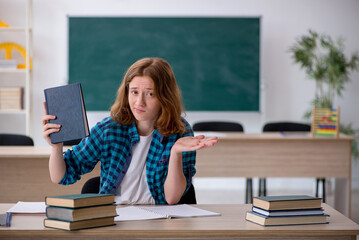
134, 188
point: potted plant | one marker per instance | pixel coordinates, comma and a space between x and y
325, 62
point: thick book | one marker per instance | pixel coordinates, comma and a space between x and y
294, 212
164, 211
78, 214
67, 225
285, 220
287, 202
80, 200
67, 104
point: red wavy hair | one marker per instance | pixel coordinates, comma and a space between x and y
166, 90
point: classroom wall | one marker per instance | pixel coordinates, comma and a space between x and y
285, 90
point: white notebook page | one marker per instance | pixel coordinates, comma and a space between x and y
28, 207
160, 211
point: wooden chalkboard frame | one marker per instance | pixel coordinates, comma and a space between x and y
216, 60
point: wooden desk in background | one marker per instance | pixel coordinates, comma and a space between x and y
24, 174
275, 155
230, 225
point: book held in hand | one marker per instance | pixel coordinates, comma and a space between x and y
287, 202
78, 214
67, 104
80, 200
76, 225
285, 220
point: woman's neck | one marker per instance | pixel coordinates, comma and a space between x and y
145, 128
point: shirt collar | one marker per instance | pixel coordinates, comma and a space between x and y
135, 138
132, 131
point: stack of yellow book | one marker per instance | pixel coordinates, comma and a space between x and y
79, 211
287, 210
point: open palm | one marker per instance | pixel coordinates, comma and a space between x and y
186, 144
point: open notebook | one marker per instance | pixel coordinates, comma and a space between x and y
28, 207
156, 212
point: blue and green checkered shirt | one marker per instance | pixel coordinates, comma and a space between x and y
111, 144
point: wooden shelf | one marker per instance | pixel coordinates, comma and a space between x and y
12, 111
4, 70
14, 29
26, 31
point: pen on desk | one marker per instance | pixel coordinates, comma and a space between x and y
8, 219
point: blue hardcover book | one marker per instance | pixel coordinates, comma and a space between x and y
67, 104
79, 214
291, 212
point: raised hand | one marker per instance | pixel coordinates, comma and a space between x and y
186, 144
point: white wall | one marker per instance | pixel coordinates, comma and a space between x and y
286, 92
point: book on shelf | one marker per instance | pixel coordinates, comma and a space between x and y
11, 98
68, 105
78, 214
80, 200
76, 225
8, 64
287, 202
286, 220
130, 213
291, 212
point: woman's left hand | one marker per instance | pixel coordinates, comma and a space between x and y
187, 144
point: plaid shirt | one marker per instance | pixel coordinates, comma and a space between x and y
111, 144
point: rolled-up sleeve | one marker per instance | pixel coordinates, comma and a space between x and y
189, 159
82, 158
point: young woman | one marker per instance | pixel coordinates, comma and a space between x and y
146, 149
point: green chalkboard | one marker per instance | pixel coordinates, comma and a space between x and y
216, 61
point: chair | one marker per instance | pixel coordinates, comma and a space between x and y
15, 140
93, 186
287, 127
218, 126
221, 126
189, 197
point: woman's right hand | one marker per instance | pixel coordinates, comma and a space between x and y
48, 128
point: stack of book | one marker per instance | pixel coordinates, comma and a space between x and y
11, 98
287, 210
79, 211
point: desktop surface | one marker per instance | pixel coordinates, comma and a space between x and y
230, 225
